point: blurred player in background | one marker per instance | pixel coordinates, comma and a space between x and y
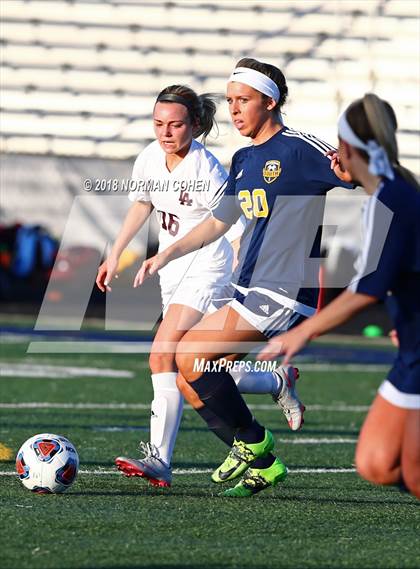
181, 180
388, 450
278, 184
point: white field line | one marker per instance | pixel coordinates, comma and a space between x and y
360, 368
341, 407
314, 441
289, 441
59, 372
292, 441
189, 471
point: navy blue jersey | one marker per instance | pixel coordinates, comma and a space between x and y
396, 277
280, 188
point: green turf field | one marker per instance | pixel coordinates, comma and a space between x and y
322, 516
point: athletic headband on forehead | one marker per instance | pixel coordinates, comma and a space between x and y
257, 80
379, 164
172, 98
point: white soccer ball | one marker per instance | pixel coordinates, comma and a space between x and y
47, 463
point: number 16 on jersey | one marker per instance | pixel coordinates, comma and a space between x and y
169, 222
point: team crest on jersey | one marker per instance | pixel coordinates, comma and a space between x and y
271, 170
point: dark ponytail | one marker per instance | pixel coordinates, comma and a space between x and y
201, 108
208, 107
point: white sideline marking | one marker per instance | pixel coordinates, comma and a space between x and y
144, 406
59, 372
182, 471
339, 407
291, 441
100, 429
326, 367
325, 441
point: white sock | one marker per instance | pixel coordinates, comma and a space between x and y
256, 381
166, 414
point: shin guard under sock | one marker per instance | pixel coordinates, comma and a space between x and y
219, 393
253, 434
217, 426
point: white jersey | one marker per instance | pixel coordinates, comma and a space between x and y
182, 199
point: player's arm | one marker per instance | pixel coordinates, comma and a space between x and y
337, 312
234, 237
235, 247
134, 220
203, 234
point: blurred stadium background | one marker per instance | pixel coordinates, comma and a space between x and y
78, 83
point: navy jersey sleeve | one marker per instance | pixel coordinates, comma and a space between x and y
385, 249
228, 209
317, 166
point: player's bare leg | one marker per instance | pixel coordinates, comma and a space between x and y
223, 333
388, 449
410, 459
226, 334
231, 337
167, 404
177, 321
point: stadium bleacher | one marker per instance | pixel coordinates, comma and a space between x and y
79, 78
76, 73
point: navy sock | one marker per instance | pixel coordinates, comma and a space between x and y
264, 462
253, 434
219, 393
217, 426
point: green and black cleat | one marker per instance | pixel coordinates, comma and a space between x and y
257, 479
241, 456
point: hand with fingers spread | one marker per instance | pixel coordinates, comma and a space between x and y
106, 272
287, 344
150, 267
336, 165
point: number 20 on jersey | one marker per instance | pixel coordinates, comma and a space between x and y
253, 204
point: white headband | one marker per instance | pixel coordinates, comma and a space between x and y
378, 159
257, 80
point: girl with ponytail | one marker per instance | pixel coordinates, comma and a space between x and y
278, 183
201, 109
179, 178
388, 450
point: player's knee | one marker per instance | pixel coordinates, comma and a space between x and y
376, 466
188, 392
184, 362
411, 475
182, 385
413, 486
161, 363
412, 482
